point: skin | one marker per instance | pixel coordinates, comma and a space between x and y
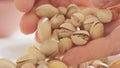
102, 47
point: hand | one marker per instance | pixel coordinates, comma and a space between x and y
102, 47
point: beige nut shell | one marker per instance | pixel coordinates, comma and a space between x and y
44, 29
28, 65
49, 48
62, 10
96, 30
104, 15
65, 44
5, 63
80, 40
46, 10
57, 20
77, 19
56, 64
68, 26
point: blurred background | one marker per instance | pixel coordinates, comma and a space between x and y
13, 43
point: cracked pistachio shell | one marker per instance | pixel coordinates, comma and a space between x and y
74, 66
83, 65
57, 20
28, 65
96, 30
56, 64
27, 58
80, 37
68, 26
72, 9
46, 10
62, 10
33, 50
77, 19
86, 11
90, 67
88, 22
64, 33
49, 48
44, 29
65, 44
5, 63
104, 15
115, 64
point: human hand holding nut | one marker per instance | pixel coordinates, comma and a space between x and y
105, 45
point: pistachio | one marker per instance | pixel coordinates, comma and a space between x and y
44, 29
115, 64
88, 22
104, 15
65, 44
42, 62
27, 58
42, 66
80, 37
46, 10
72, 9
55, 34
77, 19
68, 21
33, 50
28, 65
96, 30
64, 33
5, 63
62, 10
56, 64
49, 48
86, 11
57, 20
68, 26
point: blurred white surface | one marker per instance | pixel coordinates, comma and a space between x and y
15, 46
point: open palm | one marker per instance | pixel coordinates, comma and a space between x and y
106, 46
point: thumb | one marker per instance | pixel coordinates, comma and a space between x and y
99, 48
105, 3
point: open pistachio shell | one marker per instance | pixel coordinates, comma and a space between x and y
80, 37
68, 26
96, 30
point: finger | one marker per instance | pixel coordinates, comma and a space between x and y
99, 48
28, 23
105, 3
111, 26
24, 5
67, 2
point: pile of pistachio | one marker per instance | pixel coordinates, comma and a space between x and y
60, 29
